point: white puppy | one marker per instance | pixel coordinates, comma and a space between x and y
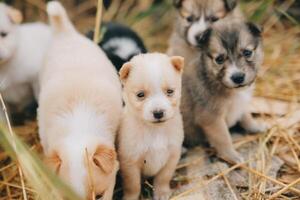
151, 132
80, 109
22, 51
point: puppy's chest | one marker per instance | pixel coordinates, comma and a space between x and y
237, 106
155, 153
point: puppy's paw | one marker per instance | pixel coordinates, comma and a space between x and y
258, 127
131, 197
162, 194
232, 157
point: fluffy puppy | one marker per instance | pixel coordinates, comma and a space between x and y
151, 132
22, 51
120, 43
79, 109
194, 18
217, 88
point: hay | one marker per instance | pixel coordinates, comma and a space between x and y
272, 169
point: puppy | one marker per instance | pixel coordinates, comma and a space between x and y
194, 18
151, 132
79, 109
22, 51
120, 43
217, 88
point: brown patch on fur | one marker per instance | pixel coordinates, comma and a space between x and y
15, 15
178, 63
53, 161
124, 71
104, 158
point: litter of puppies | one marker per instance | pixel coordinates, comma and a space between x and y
78, 128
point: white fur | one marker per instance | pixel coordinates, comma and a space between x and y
79, 108
22, 52
197, 28
125, 47
145, 147
238, 105
84, 128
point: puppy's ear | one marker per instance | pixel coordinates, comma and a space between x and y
254, 29
14, 15
105, 158
203, 43
124, 71
230, 4
177, 3
178, 63
53, 161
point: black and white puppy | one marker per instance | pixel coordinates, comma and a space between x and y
120, 43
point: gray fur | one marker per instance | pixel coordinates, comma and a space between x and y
204, 95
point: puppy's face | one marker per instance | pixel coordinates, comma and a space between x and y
233, 54
9, 18
87, 173
196, 16
152, 86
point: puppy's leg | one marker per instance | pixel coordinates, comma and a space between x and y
108, 194
251, 125
219, 137
162, 180
131, 175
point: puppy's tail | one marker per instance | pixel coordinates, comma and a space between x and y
58, 17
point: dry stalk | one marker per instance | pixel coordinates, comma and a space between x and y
14, 146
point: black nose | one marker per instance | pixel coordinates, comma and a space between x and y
158, 114
238, 78
199, 38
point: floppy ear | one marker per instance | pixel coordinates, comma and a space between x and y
53, 161
205, 38
124, 71
254, 29
105, 158
14, 15
177, 3
178, 63
230, 4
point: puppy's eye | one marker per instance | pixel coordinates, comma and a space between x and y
140, 95
170, 92
247, 53
3, 34
190, 18
220, 59
214, 18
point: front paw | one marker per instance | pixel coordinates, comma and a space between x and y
232, 157
162, 194
258, 127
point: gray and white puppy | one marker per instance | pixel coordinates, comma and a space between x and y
217, 88
194, 18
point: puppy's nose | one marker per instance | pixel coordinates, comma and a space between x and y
199, 38
238, 78
158, 114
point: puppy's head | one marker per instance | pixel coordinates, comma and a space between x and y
233, 54
196, 16
9, 18
152, 86
88, 172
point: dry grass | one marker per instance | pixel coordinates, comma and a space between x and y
279, 80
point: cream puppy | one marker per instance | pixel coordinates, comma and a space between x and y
151, 132
22, 51
79, 109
